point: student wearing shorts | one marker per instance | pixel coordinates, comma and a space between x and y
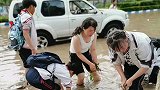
29, 32
83, 50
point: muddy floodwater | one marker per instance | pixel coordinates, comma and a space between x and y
12, 71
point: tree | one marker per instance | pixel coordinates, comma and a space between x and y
5, 2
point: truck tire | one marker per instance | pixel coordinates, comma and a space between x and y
110, 27
44, 39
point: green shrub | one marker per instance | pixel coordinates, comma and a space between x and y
127, 4
147, 3
139, 5
100, 5
3, 19
134, 5
137, 8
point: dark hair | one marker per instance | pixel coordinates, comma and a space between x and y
85, 24
71, 66
113, 1
115, 37
27, 3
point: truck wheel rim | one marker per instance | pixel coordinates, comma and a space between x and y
42, 42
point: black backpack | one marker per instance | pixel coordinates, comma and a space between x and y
42, 60
156, 42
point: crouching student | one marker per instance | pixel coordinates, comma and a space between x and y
54, 76
135, 52
83, 50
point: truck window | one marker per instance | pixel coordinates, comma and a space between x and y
53, 8
17, 9
79, 7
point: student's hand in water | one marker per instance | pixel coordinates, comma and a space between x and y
128, 84
123, 85
92, 67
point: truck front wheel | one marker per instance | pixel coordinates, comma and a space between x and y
111, 27
44, 39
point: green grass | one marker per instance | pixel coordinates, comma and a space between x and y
134, 5
3, 19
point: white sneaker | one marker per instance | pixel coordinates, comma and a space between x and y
23, 85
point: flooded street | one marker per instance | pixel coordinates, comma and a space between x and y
11, 70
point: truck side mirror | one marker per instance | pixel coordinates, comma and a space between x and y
93, 11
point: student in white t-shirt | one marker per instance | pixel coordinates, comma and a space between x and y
83, 50
113, 5
29, 32
134, 51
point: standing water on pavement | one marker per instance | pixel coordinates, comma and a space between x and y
11, 69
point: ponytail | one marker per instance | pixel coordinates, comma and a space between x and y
78, 30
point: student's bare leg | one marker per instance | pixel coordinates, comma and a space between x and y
96, 76
80, 79
68, 88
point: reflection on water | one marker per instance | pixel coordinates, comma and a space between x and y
11, 71
148, 23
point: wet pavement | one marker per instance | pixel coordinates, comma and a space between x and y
11, 70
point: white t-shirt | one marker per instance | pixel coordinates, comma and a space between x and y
84, 46
59, 70
112, 7
28, 23
143, 50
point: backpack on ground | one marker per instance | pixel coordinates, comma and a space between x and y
15, 35
42, 60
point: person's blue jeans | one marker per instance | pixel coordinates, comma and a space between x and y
37, 81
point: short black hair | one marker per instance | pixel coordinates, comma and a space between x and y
27, 3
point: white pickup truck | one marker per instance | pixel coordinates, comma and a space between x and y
57, 19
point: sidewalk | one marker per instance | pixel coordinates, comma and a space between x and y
4, 24
144, 11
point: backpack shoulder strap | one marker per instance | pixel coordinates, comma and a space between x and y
134, 40
135, 45
143, 61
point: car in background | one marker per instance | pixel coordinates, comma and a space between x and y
57, 19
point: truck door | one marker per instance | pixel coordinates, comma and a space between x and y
54, 15
80, 10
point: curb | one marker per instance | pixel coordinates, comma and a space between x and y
4, 24
144, 11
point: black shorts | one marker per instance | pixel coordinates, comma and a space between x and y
77, 63
129, 71
24, 53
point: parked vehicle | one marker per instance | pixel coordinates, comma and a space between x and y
57, 19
